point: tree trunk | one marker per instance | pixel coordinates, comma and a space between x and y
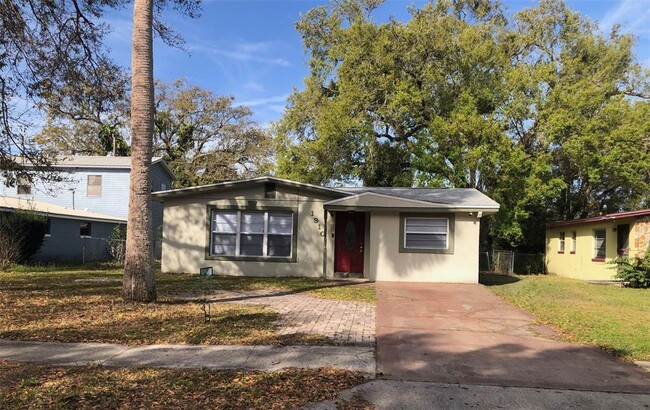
139, 280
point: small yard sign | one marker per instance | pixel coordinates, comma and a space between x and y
207, 271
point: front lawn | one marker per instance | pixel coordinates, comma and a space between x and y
38, 386
612, 318
80, 305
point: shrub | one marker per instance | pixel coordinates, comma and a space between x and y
635, 272
9, 250
117, 243
25, 231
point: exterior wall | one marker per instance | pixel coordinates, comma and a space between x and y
65, 243
114, 199
579, 265
160, 181
386, 263
115, 192
185, 238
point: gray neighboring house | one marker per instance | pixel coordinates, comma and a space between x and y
72, 234
94, 184
274, 227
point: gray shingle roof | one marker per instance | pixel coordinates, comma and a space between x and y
445, 196
94, 161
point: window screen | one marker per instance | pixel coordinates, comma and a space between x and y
23, 185
94, 187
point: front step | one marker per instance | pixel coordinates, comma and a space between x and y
348, 275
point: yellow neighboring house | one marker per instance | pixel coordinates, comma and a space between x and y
581, 248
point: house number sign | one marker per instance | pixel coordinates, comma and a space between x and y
317, 221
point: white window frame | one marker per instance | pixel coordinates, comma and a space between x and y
238, 232
561, 246
595, 239
406, 232
574, 240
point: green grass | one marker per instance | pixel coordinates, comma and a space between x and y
24, 386
612, 318
82, 305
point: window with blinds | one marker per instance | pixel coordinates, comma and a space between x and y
426, 233
251, 233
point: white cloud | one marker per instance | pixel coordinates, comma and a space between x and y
252, 85
255, 52
265, 101
632, 15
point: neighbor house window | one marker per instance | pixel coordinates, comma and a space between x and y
163, 186
85, 229
574, 239
48, 228
600, 243
426, 233
94, 186
562, 242
23, 185
251, 233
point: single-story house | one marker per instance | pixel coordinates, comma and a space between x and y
72, 234
582, 248
274, 227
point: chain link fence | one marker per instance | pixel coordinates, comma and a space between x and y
104, 250
509, 262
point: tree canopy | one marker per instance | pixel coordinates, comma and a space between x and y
539, 111
207, 138
55, 67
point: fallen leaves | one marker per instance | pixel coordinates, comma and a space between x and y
41, 386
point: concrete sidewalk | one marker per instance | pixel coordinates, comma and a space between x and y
354, 358
390, 394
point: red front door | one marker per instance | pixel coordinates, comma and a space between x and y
349, 233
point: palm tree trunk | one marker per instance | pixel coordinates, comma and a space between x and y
139, 281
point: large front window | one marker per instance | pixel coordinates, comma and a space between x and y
251, 233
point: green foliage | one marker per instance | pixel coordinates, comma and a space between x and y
21, 234
634, 271
533, 110
205, 138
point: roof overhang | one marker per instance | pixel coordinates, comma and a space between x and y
161, 196
11, 204
602, 218
371, 201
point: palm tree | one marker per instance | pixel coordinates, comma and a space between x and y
139, 281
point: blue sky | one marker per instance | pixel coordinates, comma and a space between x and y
251, 50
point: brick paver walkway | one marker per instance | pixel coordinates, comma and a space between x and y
343, 321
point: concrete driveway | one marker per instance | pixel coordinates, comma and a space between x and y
456, 333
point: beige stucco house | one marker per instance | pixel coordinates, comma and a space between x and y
582, 248
273, 227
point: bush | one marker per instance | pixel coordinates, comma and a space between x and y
117, 243
635, 272
9, 251
21, 236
